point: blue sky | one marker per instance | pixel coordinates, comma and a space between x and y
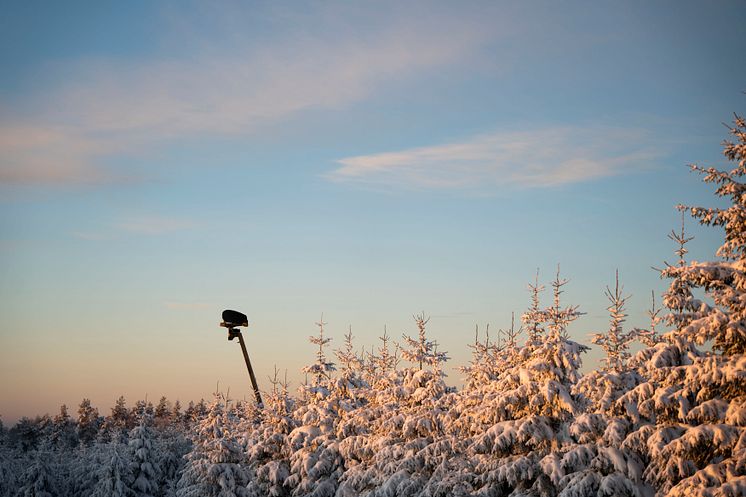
162, 162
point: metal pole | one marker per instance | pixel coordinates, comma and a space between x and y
248, 366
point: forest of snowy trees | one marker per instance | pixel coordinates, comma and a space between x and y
668, 420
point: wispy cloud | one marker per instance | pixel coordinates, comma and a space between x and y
150, 225
187, 306
43, 153
232, 87
92, 237
154, 225
528, 159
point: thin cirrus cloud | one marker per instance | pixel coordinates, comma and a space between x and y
118, 108
528, 159
188, 306
155, 225
138, 226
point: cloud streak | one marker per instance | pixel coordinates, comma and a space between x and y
528, 159
187, 306
151, 225
109, 107
155, 225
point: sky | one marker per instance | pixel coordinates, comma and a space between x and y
163, 161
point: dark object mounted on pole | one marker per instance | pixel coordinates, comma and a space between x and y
231, 320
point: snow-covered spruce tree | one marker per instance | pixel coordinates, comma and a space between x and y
39, 479
712, 449
543, 377
350, 390
81, 472
483, 367
267, 445
420, 350
381, 372
114, 472
319, 408
531, 436
534, 318
216, 465
508, 351
145, 467
423, 385
599, 389
405, 449
615, 342
321, 370
11, 470
315, 462
679, 299
350, 381
660, 365
724, 281
690, 414
171, 446
489, 363
649, 336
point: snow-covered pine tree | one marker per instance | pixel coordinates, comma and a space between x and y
190, 413
120, 414
63, 434
88, 422
162, 412
176, 417
117, 425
